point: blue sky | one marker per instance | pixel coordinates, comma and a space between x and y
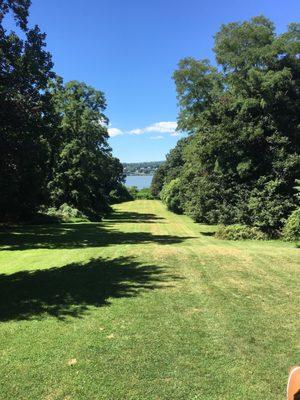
130, 48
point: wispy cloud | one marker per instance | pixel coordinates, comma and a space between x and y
168, 127
156, 137
114, 132
161, 127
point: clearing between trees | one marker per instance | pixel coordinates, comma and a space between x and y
145, 305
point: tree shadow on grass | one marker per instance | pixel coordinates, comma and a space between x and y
71, 290
207, 233
71, 236
133, 217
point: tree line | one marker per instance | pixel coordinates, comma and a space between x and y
141, 168
53, 135
240, 159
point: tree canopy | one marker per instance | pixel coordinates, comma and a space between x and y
53, 136
242, 157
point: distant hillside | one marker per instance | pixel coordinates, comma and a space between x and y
141, 168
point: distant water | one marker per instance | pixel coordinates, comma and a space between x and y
140, 181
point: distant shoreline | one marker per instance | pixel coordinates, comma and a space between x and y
142, 168
139, 174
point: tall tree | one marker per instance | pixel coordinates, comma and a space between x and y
243, 157
25, 114
84, 171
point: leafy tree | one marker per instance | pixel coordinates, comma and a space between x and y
170, 170
25, 114
19, 8
158, 180
170, 195
242, 157
84, 171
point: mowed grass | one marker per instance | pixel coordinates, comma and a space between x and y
150, 306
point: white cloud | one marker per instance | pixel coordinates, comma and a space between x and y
158, 127
114, 132
136, 131
156, 137
162, 127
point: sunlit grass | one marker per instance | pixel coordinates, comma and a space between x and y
150, 306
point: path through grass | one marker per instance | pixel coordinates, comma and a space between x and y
150, 305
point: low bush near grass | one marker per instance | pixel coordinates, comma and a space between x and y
170, 195
65, 213
291, 230
120, 195
140, 194
239, 232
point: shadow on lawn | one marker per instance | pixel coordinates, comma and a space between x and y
72, 289
84, 234
133, 217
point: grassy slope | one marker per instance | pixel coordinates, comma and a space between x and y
149, 307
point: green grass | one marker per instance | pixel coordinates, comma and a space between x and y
150, 305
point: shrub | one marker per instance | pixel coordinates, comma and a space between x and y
268, 205
291, 230
170, 195
69, 212
120, 194
144, 194
133, 191
239, 232
65, 213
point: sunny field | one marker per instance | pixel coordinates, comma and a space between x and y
146, 305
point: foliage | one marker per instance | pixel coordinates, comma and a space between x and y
19, 9
142, 194
170, 169
65, 213
68, 212
120, 194
84, 171
239, 232
291, 230
26, 115
170, 195
133, 190
53, 137
240, 161
158, 180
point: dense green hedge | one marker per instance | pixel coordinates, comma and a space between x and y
291, 230
239, 232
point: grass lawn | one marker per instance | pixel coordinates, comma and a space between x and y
150, 305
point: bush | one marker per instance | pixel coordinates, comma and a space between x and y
291, 230
239, 232
68, 211
170, 195
65, 213
142, 194
268, 205
120, 194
